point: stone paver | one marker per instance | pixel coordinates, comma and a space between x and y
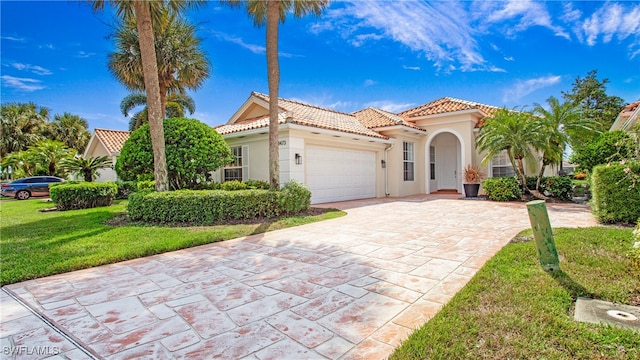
349, 288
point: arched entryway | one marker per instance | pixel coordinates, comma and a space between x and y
444, 159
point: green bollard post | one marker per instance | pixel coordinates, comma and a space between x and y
543, 235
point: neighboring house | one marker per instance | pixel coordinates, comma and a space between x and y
628, 117
366, 154
105, 142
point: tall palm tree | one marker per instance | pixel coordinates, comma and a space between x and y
271, 13
145, 12
175, 107
181, 62
88, 168
69, 129
563, 123
22, 125
517, 132
50, 153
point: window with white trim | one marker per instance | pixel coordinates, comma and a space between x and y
408, 160
501, 166
239, 168
432, 162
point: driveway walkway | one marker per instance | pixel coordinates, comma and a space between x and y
347, 288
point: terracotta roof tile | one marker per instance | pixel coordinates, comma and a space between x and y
374, 118
304, 114
445, 105
113, 140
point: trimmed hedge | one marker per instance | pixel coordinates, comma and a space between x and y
125, 188
502, 189
206, 207
616, 193
83, 195
560, 187
202, 207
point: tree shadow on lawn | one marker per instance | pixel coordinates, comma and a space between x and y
56, 230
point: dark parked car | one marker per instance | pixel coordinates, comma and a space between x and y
25, 188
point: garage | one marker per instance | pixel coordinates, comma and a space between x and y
340, 174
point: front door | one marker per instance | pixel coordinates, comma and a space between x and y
447, 162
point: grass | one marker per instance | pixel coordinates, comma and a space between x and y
34, 244
512, 309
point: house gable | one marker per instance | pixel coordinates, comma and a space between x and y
628, 117
105, 142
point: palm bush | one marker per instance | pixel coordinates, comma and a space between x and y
87, 168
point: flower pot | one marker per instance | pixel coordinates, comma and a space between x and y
471, 190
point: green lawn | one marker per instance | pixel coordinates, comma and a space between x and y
512, 309
34, 244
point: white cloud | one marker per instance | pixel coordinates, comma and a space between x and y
369, 82
445, 38
523, 88
83, 54
24, 84
515, 16
12, 38
388, 105
38, 70
414, 68
510, 58
609, 21
256, 49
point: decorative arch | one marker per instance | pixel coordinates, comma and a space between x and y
427, 169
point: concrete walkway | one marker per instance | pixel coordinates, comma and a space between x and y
348, 288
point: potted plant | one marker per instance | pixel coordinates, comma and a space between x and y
472, 179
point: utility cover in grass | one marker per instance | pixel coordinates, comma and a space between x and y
604, 312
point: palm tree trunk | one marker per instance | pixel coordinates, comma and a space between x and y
540, 174
273, 77
163, 99
152, 87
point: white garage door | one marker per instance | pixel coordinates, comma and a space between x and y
338, 174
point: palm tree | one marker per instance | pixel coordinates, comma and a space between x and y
271, 13
145, 13
517, 132
563, 123
22, 163
175, 107
50, 153
69, 129
181, 62
22, 126
88, 168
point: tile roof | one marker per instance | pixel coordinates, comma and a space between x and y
446, 105
113, 140
627, 117
374, 118
296, 112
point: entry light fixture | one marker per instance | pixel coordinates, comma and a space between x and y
298, 159
383, 163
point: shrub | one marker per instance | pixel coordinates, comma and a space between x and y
502, 189
257, 184
616, 197
193, 150
83, 195
233, 185
202, 207
125, 188
560, 187
608, 147
146, 185
294, 197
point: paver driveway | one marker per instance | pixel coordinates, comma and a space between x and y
347, 288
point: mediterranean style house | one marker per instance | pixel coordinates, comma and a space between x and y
366, 154
108, 143
345, 156
628, 117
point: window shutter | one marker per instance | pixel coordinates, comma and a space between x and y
245, 163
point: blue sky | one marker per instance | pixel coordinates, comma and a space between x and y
388, 54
